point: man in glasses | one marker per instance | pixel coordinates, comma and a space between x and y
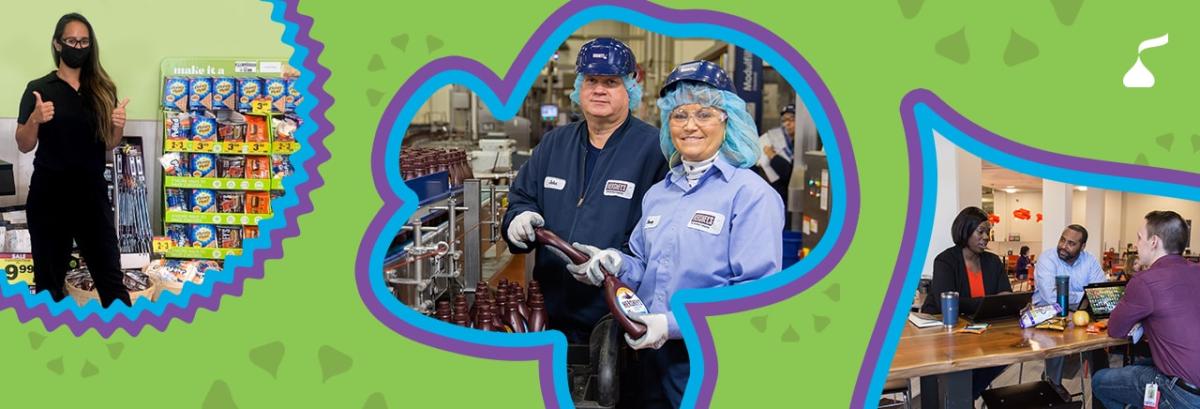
585, 182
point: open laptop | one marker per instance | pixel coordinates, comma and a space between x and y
1099, 299
995, 307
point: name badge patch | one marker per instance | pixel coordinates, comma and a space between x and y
619, 188
706, 221
652, 221
554, 183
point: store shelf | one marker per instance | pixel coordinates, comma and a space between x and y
237, 219
197, 252
240, 148
217, 183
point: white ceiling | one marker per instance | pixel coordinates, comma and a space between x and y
1000, 178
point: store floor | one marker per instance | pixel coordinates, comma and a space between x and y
1031, 372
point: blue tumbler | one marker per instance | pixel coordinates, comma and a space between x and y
1062, 284
949, 308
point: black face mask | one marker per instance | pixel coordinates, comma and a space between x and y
74, 57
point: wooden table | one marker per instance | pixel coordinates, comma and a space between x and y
944, 359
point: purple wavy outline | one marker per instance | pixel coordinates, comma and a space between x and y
274, 251
503, 88
917, 190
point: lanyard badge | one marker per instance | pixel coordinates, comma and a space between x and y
1150, 399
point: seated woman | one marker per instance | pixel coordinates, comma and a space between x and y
711, 223
969, 269
1023, 264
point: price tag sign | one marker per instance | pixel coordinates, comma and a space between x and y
258, 147
232, 147
261, 106
286, 147
177, 145
161, 244
203, 146
17, 267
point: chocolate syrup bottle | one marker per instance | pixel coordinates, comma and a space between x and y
622, 301
485, 321
522, 306
515, 321
537, 314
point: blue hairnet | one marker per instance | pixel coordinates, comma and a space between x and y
631, 87
741, 135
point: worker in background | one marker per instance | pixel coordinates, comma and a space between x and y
777, 157
1162, 299
1068, 259
711, 223
585, 182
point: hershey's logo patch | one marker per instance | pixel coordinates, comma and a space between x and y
619, 188
552, 182
706, 221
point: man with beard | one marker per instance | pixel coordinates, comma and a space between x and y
1070, 260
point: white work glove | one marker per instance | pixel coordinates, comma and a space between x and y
656, 331
589, 272
520, 231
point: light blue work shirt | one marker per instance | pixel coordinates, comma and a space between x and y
1085, 270
726, 230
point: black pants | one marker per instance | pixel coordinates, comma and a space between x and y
661, 377
60, 209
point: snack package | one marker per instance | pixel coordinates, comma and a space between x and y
258, 167
203, 201
293, 86
174, 164
249, 232
230, 201
233, 166
276, 89
177, 200
200, 94
80, 278
281, 165
204, 127
1056, 323
1032, 316
136, 280
175, 94
204, 236
179, 235
224, 94
204, 165
230, 237
256, 129
231, 131
177, 126
285, 128
258, 203
249, 89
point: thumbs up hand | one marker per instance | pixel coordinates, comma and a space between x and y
43, 111
118, 114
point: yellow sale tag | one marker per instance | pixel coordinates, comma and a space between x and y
261, 106
176, 145
17, 268
233, 147
203, 146
161, 244
286, 147
258, 147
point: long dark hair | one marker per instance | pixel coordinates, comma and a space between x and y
94, 82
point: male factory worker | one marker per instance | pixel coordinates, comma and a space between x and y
777, 156
585, 182
1068, 259
1163, 299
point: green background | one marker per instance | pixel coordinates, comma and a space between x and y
1047, 74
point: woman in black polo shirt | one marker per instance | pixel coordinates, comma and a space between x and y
72, 117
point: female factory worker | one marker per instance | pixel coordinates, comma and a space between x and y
585, 181
72, 117
712, 222
969, 269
